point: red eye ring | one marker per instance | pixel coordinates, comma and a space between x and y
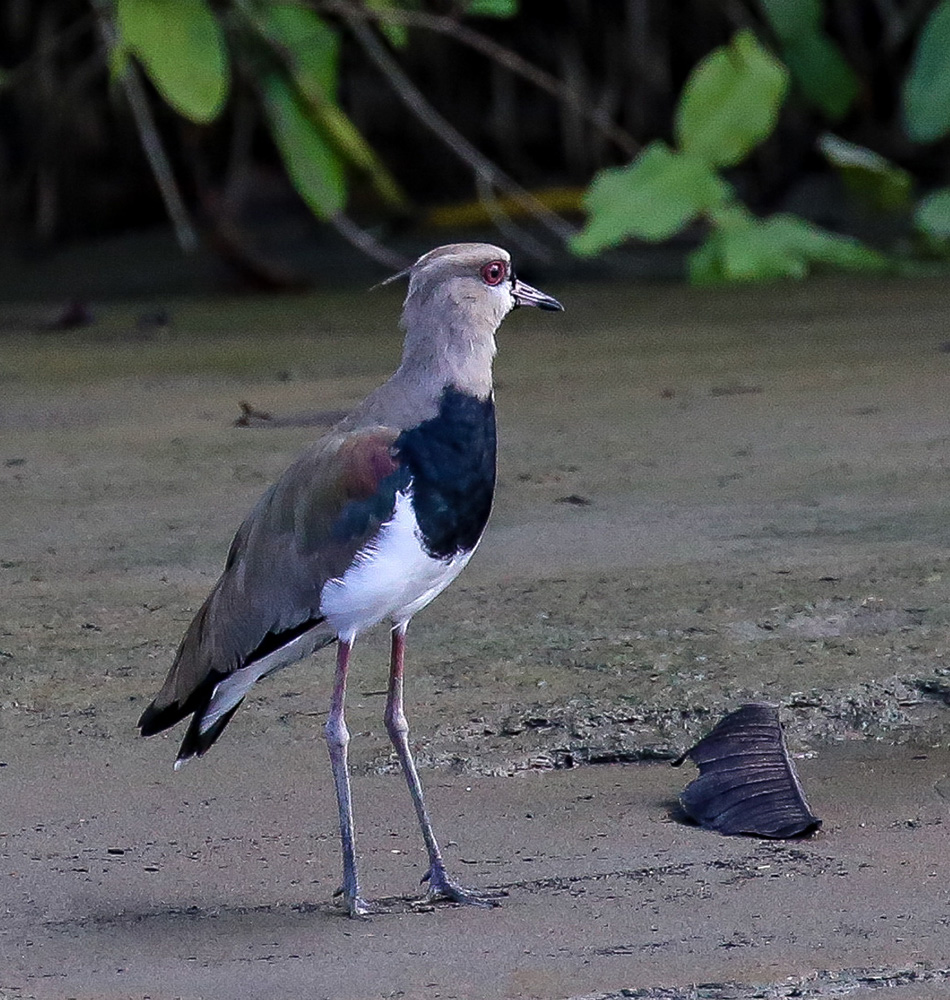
494, 272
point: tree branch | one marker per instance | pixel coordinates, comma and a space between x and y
413, 98
366, 242
505, 57
151, 142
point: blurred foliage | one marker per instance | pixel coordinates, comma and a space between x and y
300, 90
695, 120
290, 54
816, 63
869, 176
493, 8
653, 199
932, 217
730, 104
927, 87
742, 247
181, 45
312, 163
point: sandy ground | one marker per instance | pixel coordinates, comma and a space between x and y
704, 498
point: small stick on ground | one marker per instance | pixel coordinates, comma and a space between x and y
252, 417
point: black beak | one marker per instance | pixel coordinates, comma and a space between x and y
525, 295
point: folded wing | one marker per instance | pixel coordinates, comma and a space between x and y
264, 611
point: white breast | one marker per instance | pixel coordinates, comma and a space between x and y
392, 578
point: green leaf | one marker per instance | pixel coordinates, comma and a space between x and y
730, 102
822, 248
743, 248
792, 18
311, 162
310, 46
932, 216
819, 69
492, 8
759, 250
704, 264
652, 198
348, 139
398, 34
821, 74
927, 88
118, 60
181, 46
871, 177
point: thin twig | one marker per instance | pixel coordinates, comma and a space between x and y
504, 223
157, 159
368, 243
413, 98
14, 77
505, 57
152, 143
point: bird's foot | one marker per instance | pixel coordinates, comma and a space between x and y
356, 907
441, 887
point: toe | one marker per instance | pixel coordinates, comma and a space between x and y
443, 888
356, 907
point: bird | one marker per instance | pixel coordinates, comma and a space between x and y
368, 525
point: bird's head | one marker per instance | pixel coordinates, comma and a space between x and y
458, 295
476, 277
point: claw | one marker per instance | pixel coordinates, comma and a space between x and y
442, 887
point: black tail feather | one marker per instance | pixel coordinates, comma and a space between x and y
197, 743
155, 720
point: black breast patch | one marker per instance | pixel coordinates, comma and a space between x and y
451, 460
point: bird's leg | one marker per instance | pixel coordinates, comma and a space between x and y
440, 886
338, 738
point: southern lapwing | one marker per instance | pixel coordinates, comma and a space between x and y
368, 525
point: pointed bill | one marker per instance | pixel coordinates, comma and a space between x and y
525, 295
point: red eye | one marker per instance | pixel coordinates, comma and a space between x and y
494, 272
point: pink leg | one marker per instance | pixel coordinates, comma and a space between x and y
439, 883
338, 739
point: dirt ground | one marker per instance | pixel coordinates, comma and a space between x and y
704, 498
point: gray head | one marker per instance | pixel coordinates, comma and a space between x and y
476, 276
458, 296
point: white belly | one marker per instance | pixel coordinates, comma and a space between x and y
391, 579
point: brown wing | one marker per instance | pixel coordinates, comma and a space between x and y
305, 530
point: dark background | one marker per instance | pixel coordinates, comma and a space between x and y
72, 169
